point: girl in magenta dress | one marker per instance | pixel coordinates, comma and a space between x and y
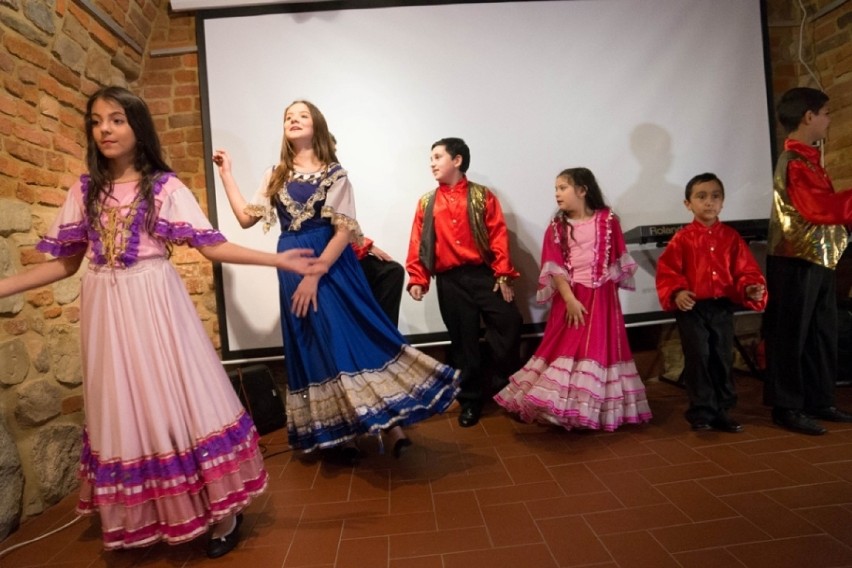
582, 375
168, 450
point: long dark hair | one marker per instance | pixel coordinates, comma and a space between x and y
148, 159
579, 177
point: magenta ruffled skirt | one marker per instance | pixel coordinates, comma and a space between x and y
581, 377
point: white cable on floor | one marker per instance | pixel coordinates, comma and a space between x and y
45, 535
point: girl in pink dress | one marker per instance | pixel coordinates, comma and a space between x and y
582, 375
168, 450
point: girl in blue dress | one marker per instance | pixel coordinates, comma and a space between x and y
349, 370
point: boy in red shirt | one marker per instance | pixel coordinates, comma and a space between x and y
459, 236
807, 236
705, 273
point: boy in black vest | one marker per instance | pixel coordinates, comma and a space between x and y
459, 236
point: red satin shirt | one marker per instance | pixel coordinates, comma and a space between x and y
811, 190
714, 262
454, 243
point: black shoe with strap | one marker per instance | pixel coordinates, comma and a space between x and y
222, 545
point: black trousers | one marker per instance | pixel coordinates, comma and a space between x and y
800, 331
465, 296
707, 339
386, 279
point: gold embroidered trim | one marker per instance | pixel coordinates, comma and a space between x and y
115, 230
301, 212
348, 223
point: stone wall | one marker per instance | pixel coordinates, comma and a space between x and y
53, 54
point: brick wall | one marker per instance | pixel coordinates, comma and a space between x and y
827, 49
53, 54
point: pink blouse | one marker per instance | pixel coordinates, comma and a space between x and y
121, 239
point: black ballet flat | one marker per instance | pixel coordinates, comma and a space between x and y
220, 546
399, 447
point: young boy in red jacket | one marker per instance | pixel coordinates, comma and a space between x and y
704, 274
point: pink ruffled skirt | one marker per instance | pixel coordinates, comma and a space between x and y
168, 449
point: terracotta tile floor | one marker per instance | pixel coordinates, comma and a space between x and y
505, 494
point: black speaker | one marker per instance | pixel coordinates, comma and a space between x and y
260, 397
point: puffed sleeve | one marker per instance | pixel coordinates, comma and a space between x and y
180, 219
552, 264
261, 205
68, 236
622, 266
340, 204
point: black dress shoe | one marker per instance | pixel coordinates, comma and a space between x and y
829, 413
701, 426
469, 416
797, 422
220, 546
725, 424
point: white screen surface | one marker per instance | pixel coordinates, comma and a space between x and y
645, 93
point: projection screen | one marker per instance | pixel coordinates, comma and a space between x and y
645, 93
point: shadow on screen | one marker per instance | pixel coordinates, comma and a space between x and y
651, 199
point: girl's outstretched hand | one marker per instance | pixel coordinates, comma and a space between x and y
300, 261
223, 161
